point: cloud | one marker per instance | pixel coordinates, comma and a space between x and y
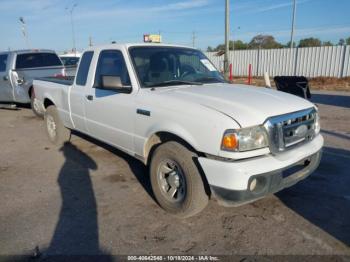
267, 8
143, 11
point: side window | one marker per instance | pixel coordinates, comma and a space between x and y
111, 63
3, 63
84, 68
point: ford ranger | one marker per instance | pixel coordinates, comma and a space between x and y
201, 137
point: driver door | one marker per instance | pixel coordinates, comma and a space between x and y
110, 115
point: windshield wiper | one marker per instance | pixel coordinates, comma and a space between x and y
209, 79
174, 82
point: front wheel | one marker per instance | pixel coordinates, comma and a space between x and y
176, 182
34, 104
57, 133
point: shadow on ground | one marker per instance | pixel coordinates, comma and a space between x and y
76, 232
324, 197
331, 100
139, 170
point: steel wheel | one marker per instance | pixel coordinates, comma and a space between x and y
171, 181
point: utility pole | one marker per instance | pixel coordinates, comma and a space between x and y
193, 38
293, 23
227, 39
90, 41
24, 31
72, 24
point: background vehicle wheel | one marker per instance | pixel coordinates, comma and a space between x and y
34, 105
176, 182
57, 133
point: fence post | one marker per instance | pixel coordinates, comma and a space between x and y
258, 62
342, 69
296, 60
250, 74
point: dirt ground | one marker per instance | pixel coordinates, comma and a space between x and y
87, 198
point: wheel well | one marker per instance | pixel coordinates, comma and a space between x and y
161, 137
48, 102
30, 91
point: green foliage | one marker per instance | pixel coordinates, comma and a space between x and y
210, 49
288, 44
264, 42
327, 43
269, 42
348, 41
310, 42
341, 41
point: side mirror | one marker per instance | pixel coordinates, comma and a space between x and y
114, 83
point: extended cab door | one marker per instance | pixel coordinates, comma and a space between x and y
77, 93
110, 114
6, 93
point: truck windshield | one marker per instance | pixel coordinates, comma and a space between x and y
164, 66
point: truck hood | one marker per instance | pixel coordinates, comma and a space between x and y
247, 105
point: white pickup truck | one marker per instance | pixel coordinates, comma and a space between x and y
200, 136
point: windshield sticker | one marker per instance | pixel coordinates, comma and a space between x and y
208, 65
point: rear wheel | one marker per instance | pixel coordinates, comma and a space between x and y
57, 133
34, 104
176, 181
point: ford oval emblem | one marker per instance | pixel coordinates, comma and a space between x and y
301, 131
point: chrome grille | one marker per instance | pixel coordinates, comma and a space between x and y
289, 130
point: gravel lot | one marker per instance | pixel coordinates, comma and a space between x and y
88, 198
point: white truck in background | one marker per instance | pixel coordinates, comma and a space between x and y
200, 136
18, 69
70, 62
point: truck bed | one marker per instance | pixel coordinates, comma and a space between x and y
67, 80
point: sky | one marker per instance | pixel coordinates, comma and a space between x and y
48, 22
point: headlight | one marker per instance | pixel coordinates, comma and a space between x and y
317, 123
245, 139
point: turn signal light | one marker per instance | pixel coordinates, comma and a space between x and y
229, 142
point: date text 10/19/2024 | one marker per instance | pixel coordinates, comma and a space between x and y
173, 258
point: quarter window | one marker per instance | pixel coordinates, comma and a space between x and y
111, 63
3, 63
84, 67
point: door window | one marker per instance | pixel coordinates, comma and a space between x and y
84, 68
3, 63
111, 63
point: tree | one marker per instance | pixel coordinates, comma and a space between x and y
327, 43
348, 41
210, 49
341, 41
236, 45
288, 44
264, 42
240, 45
310, 42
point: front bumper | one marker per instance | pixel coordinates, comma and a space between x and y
231, 182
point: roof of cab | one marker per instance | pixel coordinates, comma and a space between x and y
127, 45
28, 51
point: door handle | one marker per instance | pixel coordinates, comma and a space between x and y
90, 97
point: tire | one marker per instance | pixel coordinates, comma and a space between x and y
191, 197
34, 106
57, 133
